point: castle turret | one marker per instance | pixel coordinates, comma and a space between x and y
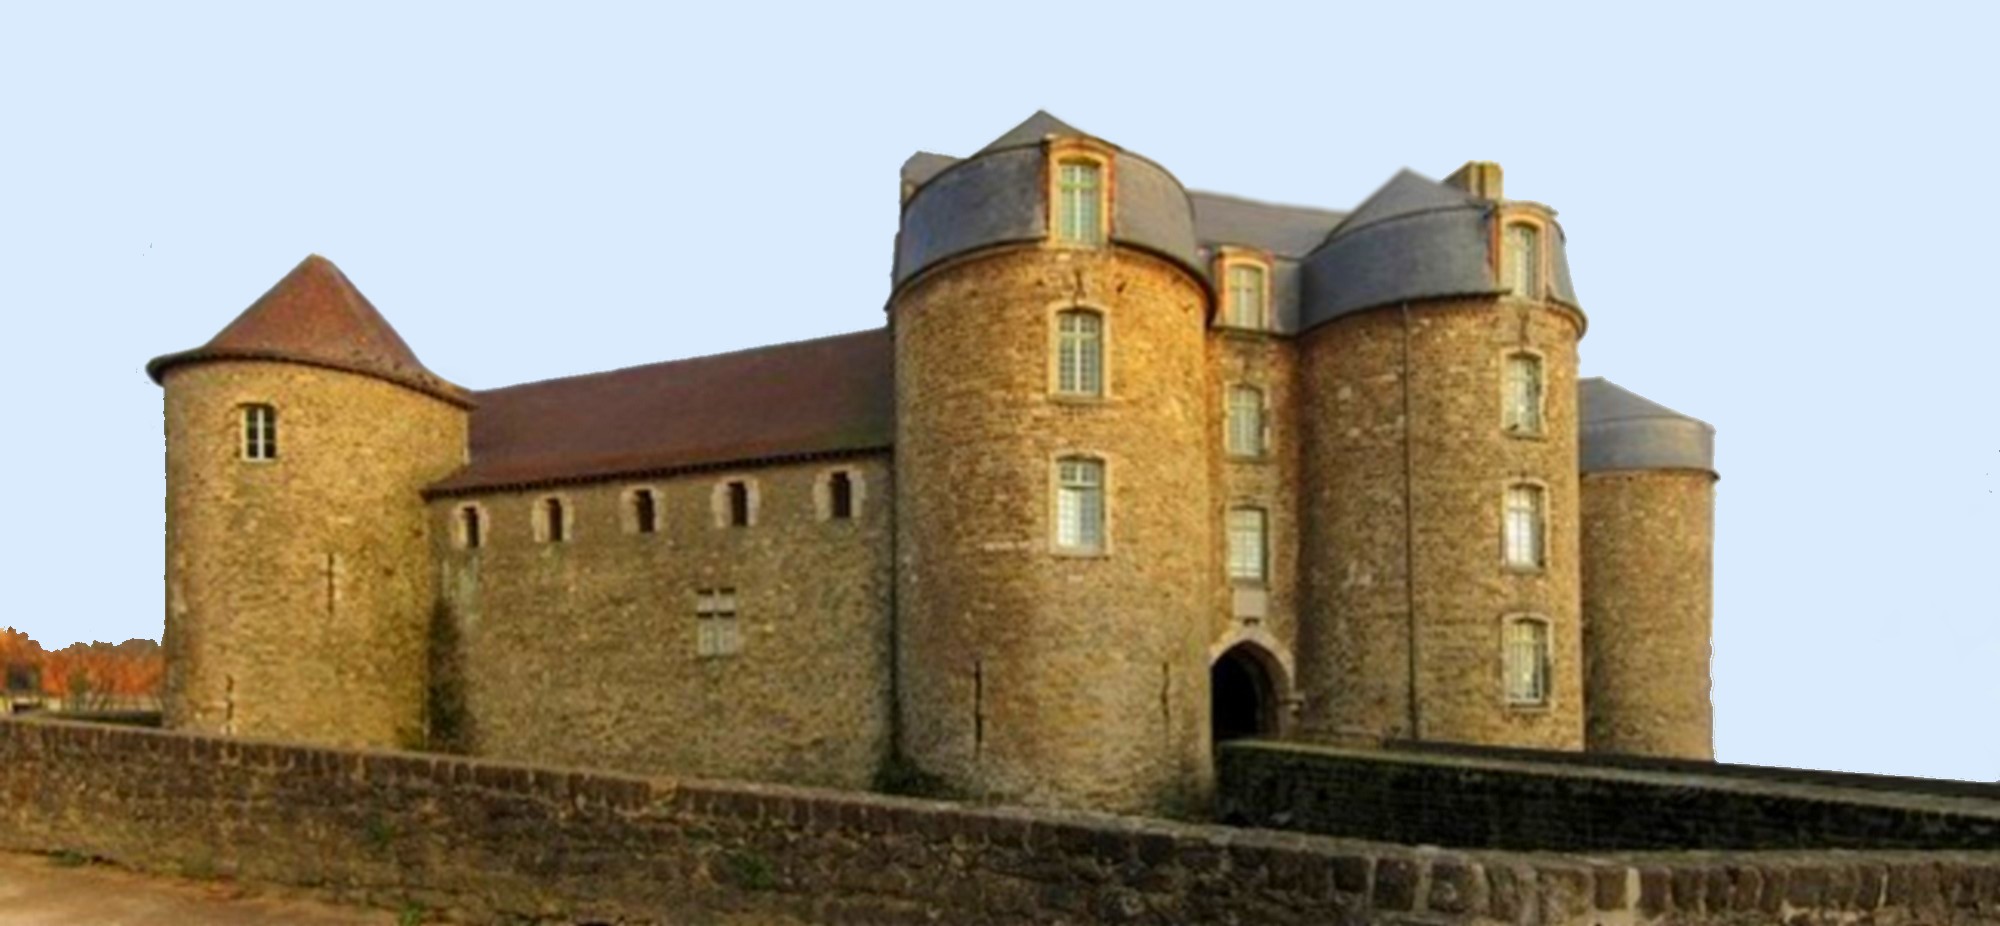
1439, 494
1055, 536
298, 587
1648, 574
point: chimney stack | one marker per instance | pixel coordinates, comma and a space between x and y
1480, 178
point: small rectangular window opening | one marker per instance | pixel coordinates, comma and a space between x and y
645, 513
1525, 535
553, 510
1079, 202
260, 432
1080, 504
1524, 394
1249, 543
739, 504
716, 631
1526, 659
469, 516
840, 495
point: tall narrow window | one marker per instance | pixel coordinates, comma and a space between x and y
553, 523
1080, 202
1524, 260
1248, 296
1525, 533
840, 495
470, 527
645, 511
1523, 398
1525, 661
1079, 352
1080, 504
1249, 545
1246, 421
716, 632
739, 504
260, 432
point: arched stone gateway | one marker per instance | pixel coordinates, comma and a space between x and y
1245, 686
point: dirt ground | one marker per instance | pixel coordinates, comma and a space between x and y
38, 890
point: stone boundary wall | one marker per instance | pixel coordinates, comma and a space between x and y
497, 842
1475, 799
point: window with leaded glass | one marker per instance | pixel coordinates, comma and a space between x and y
1249, 295
715, 628
1080, 353
1523, 394
1525, 661
1524, 260
1246, 421
1249, 545
260, 432
1079, 202
1080, 504
1525, 530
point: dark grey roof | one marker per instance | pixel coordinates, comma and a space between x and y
1032, 131
1618, 429
1285, 231
997, 197
1413, 239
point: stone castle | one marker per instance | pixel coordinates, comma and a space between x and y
1129, 470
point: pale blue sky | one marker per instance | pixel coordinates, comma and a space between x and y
1780, 221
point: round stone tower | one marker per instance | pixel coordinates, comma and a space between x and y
1055, 533
1648, 575
299, 587
1439, 553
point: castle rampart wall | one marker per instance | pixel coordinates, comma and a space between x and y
1402, 509
493, 842
299, 589
589, 651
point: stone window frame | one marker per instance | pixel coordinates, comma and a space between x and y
1058, 152
1263, 578
1522, 215
718, 501
1264, 434
1541, 430
628, 509
1052, 316
1541, 565
1106, 520
857, 487
1227, 259
1546, 655
718, 632
460, 536
257, 442
538, 513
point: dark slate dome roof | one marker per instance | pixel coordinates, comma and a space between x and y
997, 196
1415, 238
315, 316
1618, 429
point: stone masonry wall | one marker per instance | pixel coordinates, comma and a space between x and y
585, 652
1648, 593
299, 589
487, 842
1470, 801
1030, 674
1354, 653
1261, 614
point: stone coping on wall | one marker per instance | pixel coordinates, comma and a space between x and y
496, 841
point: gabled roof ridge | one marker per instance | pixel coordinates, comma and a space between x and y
1268, 204
735, 353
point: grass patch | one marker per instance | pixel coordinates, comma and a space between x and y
412, 914
750, 871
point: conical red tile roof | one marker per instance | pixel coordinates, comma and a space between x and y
315, 316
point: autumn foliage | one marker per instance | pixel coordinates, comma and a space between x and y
85, 676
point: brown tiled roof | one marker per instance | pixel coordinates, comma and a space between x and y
789, 401
315, 316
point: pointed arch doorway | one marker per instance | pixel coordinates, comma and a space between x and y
1243, 692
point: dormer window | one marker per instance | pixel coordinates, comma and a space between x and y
1079, 201
260, 432
1249, 295
1523, 260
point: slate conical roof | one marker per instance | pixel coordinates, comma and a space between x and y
1031, 132
1619, 429
315, 316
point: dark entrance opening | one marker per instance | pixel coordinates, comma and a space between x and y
1243, 700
